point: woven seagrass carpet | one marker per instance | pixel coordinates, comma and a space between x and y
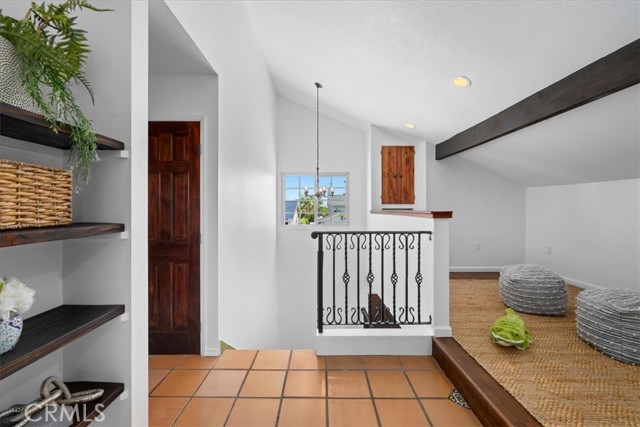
561, 380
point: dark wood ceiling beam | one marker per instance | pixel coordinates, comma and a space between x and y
612, 73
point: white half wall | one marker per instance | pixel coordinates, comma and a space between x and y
592, 230
488, 213
342, 149
195, 98
247, 295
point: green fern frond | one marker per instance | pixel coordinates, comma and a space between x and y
53, 52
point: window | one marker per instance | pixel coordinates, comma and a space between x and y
301, 209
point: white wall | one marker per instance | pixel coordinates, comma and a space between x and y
139, 205
380, 137
98, 271
487, 209
195, 98
593, 230
247, 170
342, 149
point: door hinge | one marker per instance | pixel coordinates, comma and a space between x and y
200, 150
199, 238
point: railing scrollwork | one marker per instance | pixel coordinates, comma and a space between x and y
368, 254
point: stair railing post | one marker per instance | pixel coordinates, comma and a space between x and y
320, 266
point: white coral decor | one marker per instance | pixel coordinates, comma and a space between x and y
15, 297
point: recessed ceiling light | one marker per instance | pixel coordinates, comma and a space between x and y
410, 126
462, 81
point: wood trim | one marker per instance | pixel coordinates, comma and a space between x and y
491, 403
612, 73
27, 126
476, 275
48, 234
420, 214
47, 332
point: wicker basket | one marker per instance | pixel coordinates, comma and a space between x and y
33, 196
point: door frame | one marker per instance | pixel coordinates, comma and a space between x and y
204, 219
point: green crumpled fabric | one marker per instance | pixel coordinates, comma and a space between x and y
510, 330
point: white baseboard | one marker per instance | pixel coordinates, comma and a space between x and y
349, 346
211, 351
442, 331
474, 269
411, 340
581, 284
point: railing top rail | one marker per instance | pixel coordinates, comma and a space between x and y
316, 234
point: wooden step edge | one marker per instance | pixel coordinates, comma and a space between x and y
491, 403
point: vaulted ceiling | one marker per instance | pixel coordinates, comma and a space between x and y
171, 50
391, 62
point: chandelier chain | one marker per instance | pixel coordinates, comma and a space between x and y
318, 86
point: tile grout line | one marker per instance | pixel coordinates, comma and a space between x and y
373, 401
237, 396
326, 388
194, 391
159, 382
165, 377
424, 410
284, 384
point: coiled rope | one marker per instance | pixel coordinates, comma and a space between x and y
19, 415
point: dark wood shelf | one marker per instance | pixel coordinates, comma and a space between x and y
27, 126
49, 234
419, 214
111, 392
53, 329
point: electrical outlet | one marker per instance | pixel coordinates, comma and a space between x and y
548, 250
477, 246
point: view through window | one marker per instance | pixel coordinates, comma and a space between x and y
301, 209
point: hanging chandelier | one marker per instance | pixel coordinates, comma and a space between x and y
320, 192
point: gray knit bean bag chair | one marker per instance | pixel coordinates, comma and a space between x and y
533, 289
609, 320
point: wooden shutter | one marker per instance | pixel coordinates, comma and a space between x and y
398, 175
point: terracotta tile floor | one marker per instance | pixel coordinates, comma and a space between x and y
296, 388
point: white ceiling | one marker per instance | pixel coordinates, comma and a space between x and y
171, 50
391, 62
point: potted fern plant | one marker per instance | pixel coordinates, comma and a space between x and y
44, 53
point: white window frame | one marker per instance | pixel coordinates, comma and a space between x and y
281, 209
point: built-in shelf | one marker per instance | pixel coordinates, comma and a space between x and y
53, 329
82, 414
111, 392
49, 234
27, 126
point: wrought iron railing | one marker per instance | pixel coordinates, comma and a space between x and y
389, 276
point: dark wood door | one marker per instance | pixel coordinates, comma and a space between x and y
174, 238
398, 176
